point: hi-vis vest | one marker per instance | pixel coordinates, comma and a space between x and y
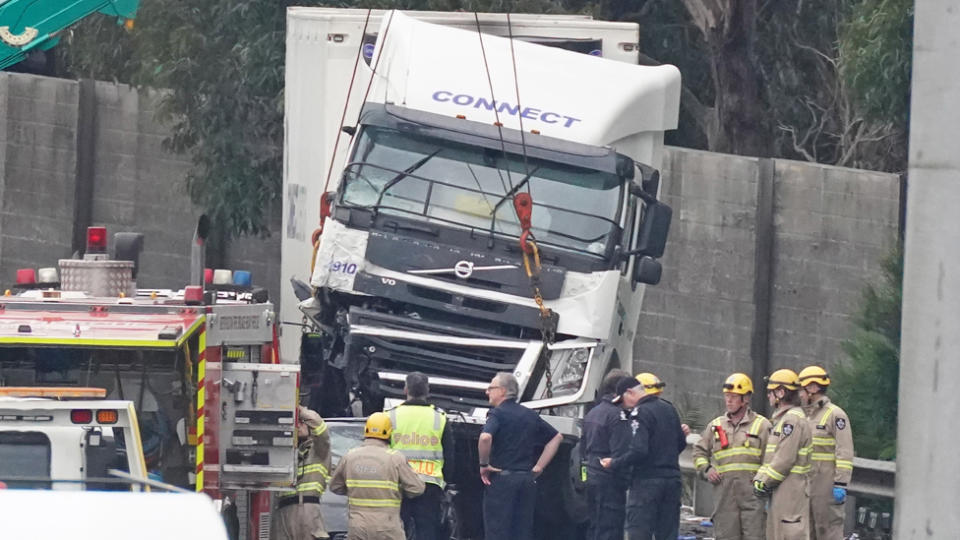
418, 434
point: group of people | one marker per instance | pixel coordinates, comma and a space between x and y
781, 479
397, 475
784, 478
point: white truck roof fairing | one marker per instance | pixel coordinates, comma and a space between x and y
589, 100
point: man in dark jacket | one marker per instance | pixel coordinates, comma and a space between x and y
606, 435
653, 504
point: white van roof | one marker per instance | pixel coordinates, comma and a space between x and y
108, 515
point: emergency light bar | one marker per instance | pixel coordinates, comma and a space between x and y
52, 392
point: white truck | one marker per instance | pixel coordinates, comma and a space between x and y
487, 205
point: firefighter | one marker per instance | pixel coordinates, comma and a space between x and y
509, 465
832, 456
653, 503
605, 435
728, 455
297, 516
375, 479
421, 434
786, 461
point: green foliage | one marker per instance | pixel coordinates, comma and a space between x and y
877, 45
866, 384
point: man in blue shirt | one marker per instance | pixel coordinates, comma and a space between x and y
508, 467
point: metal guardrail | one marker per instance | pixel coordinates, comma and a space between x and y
871, 477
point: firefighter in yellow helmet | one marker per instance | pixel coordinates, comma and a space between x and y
832, 456
786, 461
297, 515
375, 479
652, 385
729, 454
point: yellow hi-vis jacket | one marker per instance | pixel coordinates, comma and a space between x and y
418, 435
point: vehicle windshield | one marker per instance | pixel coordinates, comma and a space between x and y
344, 437
408, 174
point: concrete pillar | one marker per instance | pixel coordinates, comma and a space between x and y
928, 467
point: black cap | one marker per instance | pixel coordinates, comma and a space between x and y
624, 384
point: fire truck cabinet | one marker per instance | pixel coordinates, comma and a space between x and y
257, 432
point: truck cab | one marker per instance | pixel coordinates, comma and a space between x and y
486, 205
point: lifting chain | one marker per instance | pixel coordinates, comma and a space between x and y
528, 246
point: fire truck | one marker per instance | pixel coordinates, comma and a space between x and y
216, 411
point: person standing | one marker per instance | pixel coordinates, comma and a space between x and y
605, 435
832, 456
421, 434
375, 479
508, 468
653, 502
786, 462
297, 515
729, 454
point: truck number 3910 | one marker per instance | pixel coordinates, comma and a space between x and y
343, 267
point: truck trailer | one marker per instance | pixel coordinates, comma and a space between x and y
467, 194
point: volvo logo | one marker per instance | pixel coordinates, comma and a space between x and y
463, 269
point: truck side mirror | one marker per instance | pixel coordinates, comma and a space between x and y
649, 183
349, 130
652, 240
647, 270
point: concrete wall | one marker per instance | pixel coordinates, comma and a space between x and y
38, 118
765, 266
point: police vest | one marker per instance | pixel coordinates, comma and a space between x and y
418, 434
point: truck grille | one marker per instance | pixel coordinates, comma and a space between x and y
446, 360
450, 360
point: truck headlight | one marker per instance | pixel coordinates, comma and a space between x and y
567, 368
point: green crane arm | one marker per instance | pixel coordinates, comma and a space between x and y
26, 25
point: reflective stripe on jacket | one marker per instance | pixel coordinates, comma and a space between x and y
789, 447
832, 440
375, 478
418, 435
746, 443
313, 461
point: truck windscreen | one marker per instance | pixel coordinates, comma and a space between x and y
445, 181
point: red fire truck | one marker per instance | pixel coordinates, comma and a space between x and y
216, 410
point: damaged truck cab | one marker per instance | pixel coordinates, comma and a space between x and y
493, 206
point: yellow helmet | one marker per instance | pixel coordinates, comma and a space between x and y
651, 383
378, 426
738, 383
814, 374
785, 378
